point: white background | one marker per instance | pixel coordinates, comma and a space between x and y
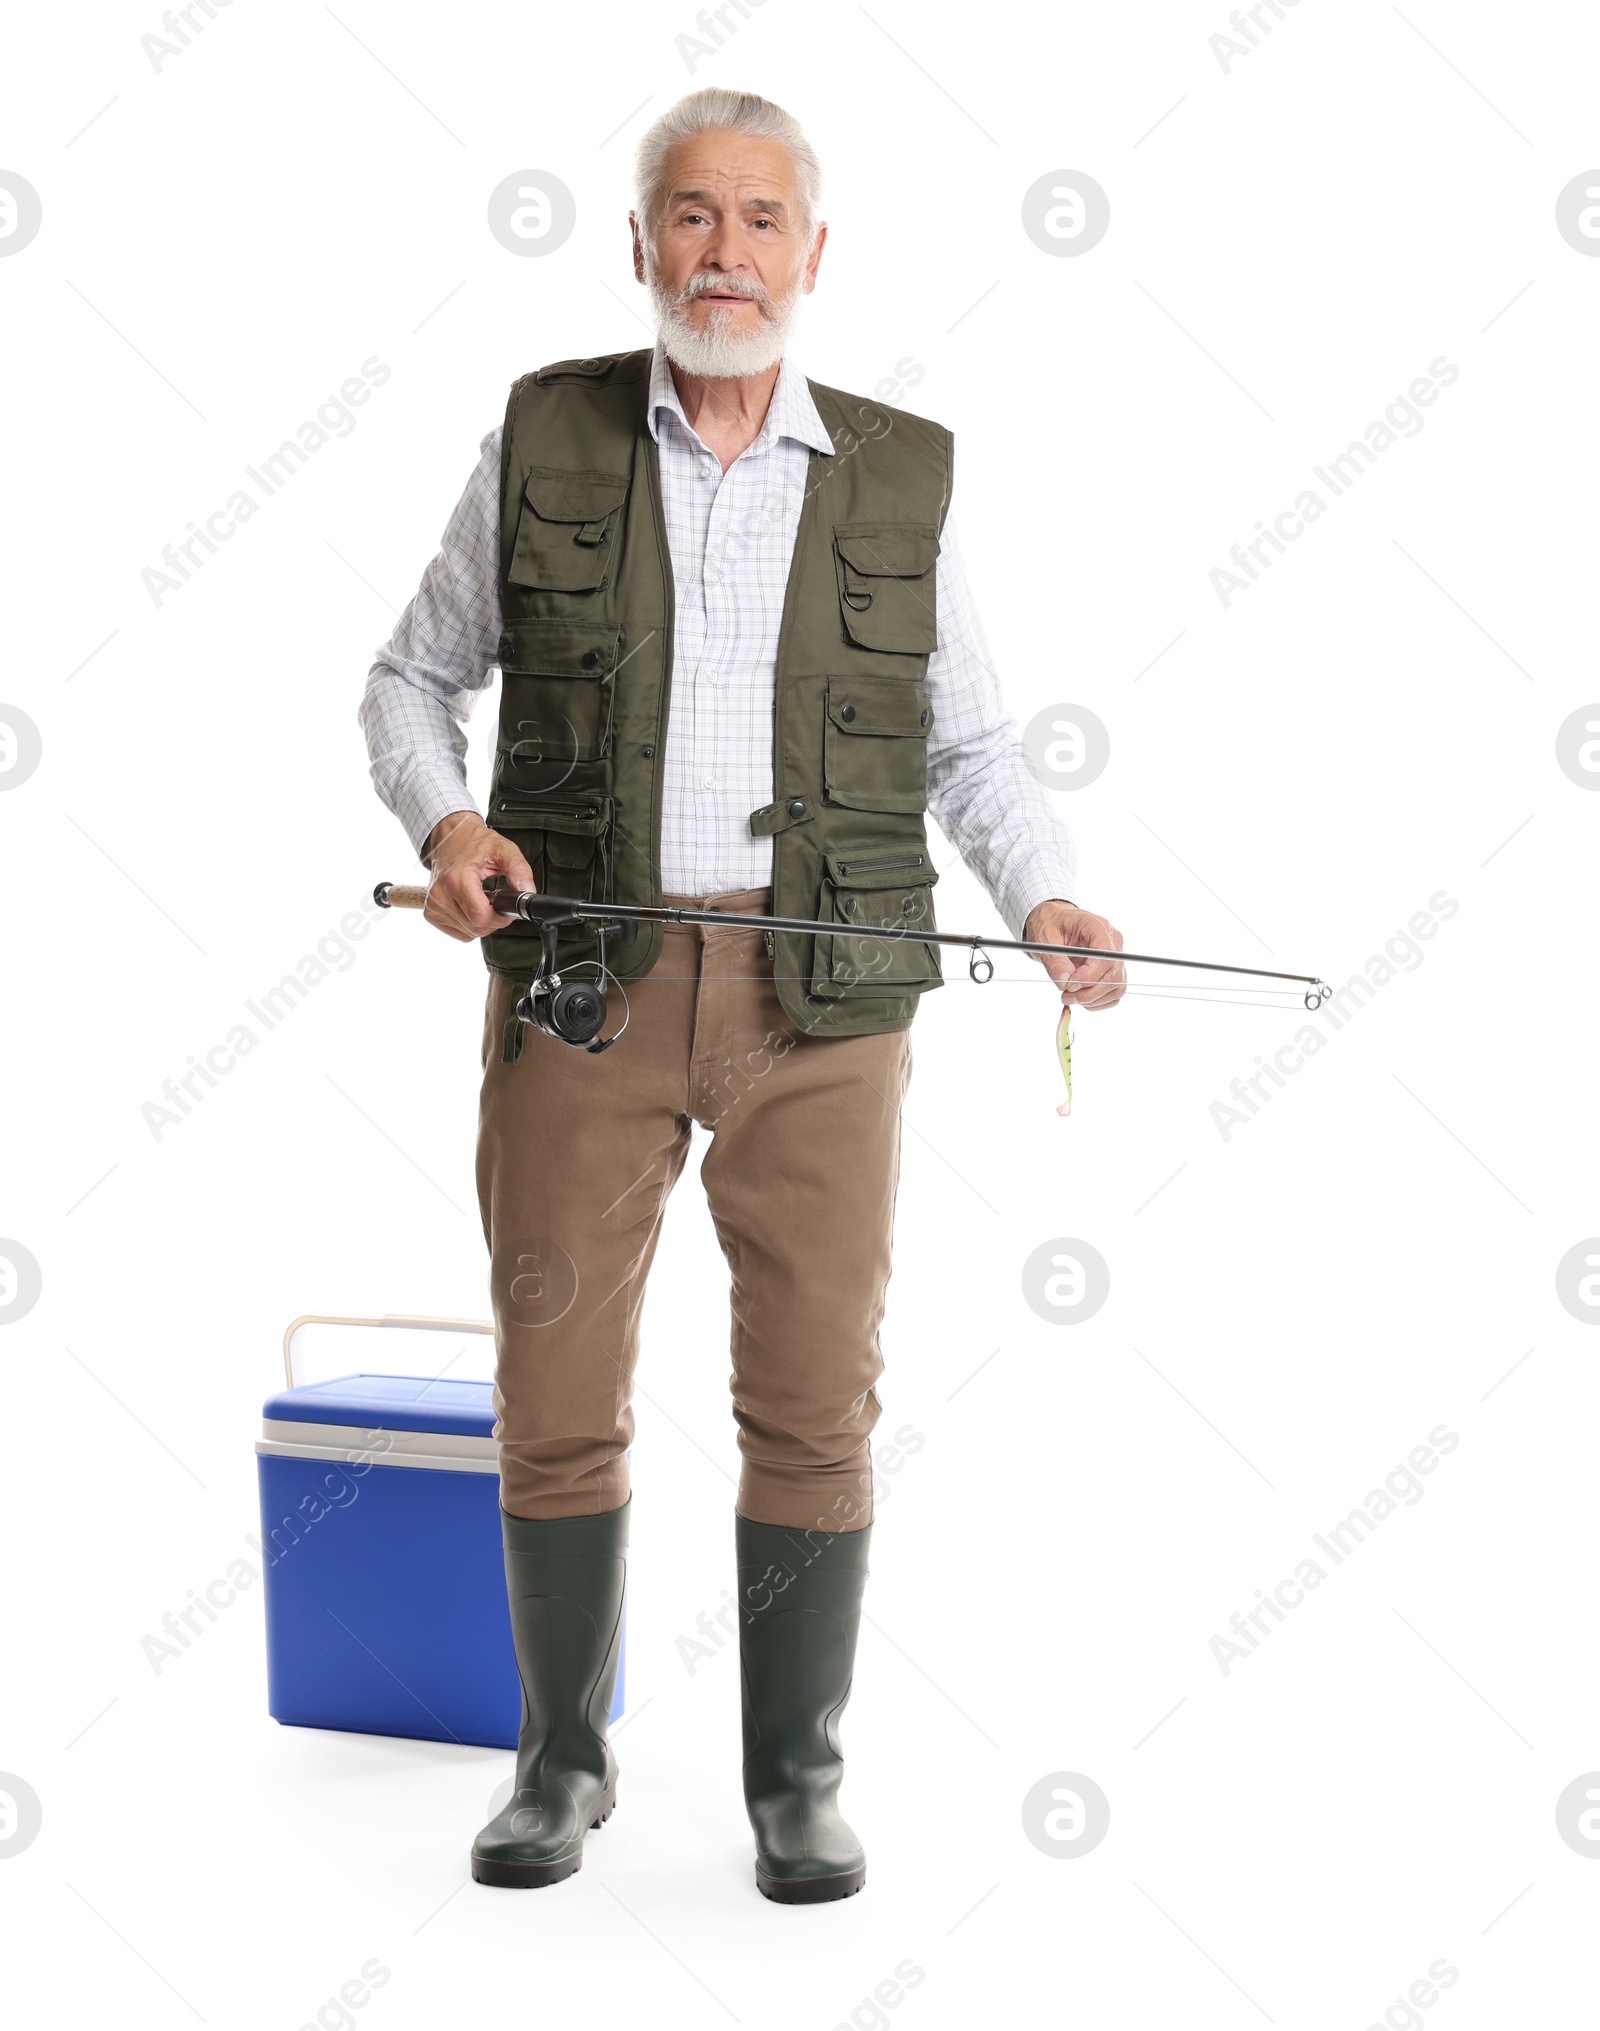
1293, 1307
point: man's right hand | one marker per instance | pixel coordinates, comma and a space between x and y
463, 853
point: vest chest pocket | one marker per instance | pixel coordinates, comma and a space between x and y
883, 886
566, 530
557, 680
875, 744
562, 840
887, 585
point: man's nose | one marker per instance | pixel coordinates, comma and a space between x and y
725, 251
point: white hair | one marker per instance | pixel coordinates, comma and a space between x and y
745, 113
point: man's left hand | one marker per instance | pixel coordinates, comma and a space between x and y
1084, 983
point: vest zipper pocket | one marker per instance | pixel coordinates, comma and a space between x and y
855, 867
582, 815
566, 843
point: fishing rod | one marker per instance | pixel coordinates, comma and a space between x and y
575, 1010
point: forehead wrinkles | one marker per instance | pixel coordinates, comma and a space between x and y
741, 194
758, 169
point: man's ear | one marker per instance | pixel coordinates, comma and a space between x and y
815, 256
638, 248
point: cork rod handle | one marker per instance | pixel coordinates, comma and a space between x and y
395, 896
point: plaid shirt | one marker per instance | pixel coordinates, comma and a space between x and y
731, 537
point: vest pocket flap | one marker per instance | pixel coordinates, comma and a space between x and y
574, 496
559, 648
565, 849
875, 889
887, 549
879, 705
880, 867
564, 841
887, 585
564, 528
887, 770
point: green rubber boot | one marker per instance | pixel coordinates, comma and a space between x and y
799, 1609
564, 1581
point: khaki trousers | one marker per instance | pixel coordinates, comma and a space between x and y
576, 1157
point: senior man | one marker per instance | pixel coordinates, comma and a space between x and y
739, 663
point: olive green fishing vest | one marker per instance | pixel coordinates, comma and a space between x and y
586, 589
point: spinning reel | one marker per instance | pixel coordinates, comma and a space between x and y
571, 1010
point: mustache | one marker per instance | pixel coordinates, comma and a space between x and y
706, 284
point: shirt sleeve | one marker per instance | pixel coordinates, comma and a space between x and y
987, 800
432, 670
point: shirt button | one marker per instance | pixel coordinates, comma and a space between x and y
708, 782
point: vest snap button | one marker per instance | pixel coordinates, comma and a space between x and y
847, 712
850, 906
924, 719
648, 753
797, 807
908, 906
591, 659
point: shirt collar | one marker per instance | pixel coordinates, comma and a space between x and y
792, 412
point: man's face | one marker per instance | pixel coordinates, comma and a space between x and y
729, 249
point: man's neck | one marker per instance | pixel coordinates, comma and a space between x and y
726, 415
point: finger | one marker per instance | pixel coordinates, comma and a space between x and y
1109, 991
1107, 999
1092, 973
1100, 989
458, 906
508, 859
1066, 973
476, 906
445, 914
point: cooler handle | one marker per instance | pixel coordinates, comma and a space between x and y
389, 1319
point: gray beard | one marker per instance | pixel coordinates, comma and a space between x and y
717, 353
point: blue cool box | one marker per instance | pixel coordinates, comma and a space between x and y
385, 1580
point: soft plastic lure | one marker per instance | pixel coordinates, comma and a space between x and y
1064, 1053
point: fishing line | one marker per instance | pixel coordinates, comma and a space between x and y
574, 1009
